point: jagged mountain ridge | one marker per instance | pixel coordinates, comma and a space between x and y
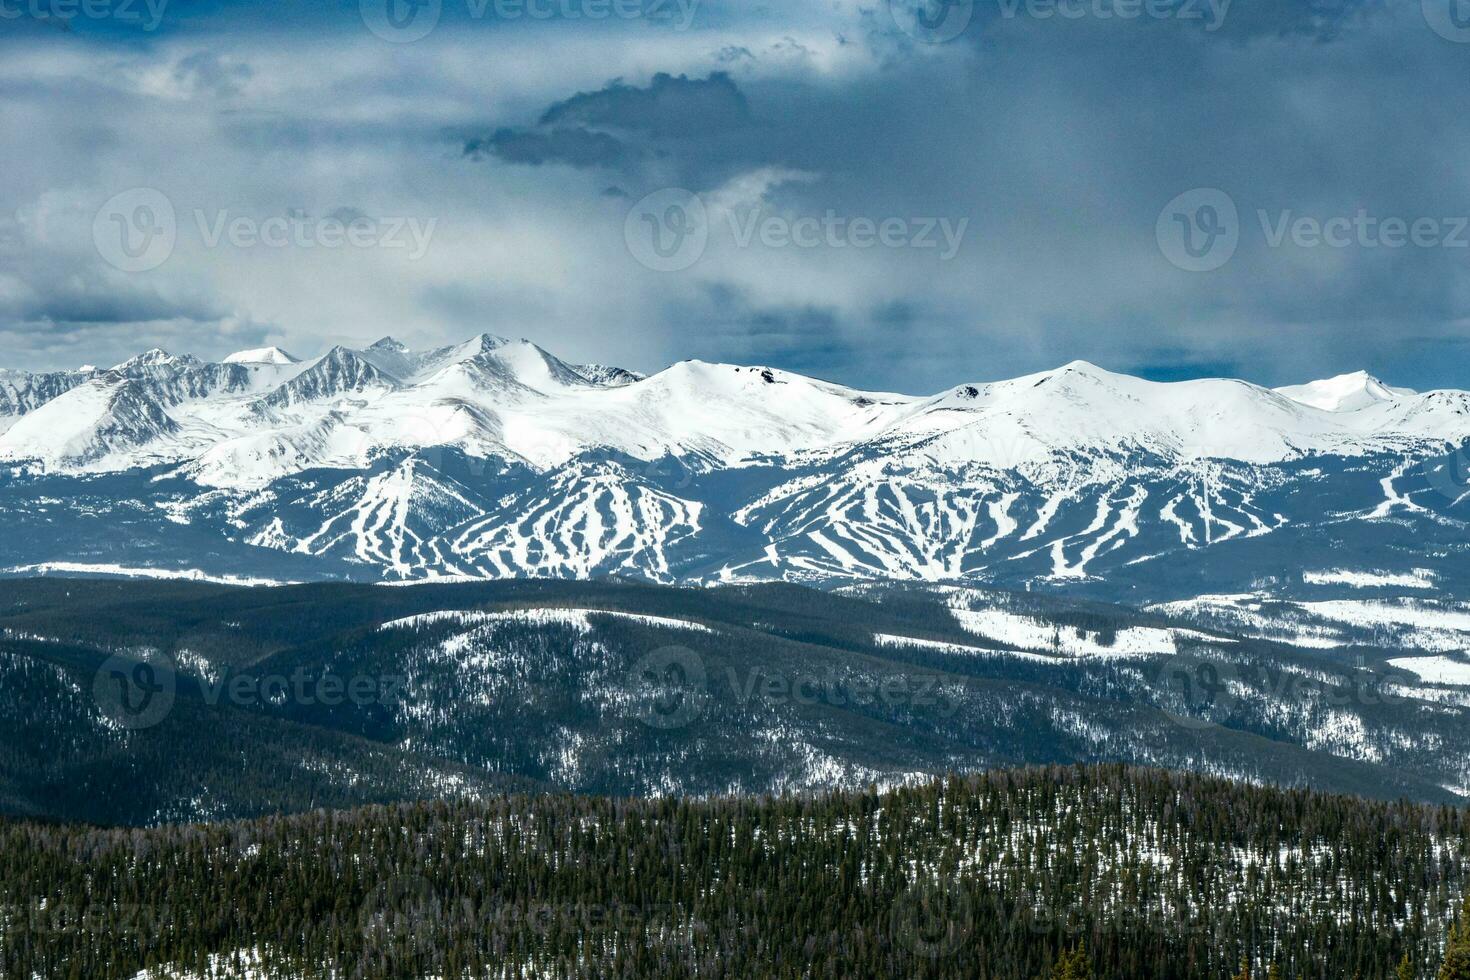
729, 413
22, 392
495, 458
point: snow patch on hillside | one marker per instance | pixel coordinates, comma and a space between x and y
1419, 578
939, 646
1436, 670
1030, 633
129, 571
1402, 622
579, 619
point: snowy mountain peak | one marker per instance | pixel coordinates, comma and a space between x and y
389, 345
155, 357
263, 355
1072, 371
1344, 393
157, 365
482, 344
339, 372
1082, 367
606, 376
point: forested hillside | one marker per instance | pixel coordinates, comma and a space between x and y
1108, 873
139, 703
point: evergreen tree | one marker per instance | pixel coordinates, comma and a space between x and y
1073, 965
1456, 964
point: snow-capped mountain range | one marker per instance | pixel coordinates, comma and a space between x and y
494, 458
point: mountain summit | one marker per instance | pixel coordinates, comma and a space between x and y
1345, 393
264, 355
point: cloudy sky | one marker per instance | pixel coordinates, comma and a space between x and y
899, 195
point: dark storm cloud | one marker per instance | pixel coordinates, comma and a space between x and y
574, 147
119, 308
1060, 140
1070, 138
64, 303
579, 131
81, 320
671, 106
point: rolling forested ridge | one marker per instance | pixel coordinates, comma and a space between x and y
254, 702
1063, 872
590, 779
